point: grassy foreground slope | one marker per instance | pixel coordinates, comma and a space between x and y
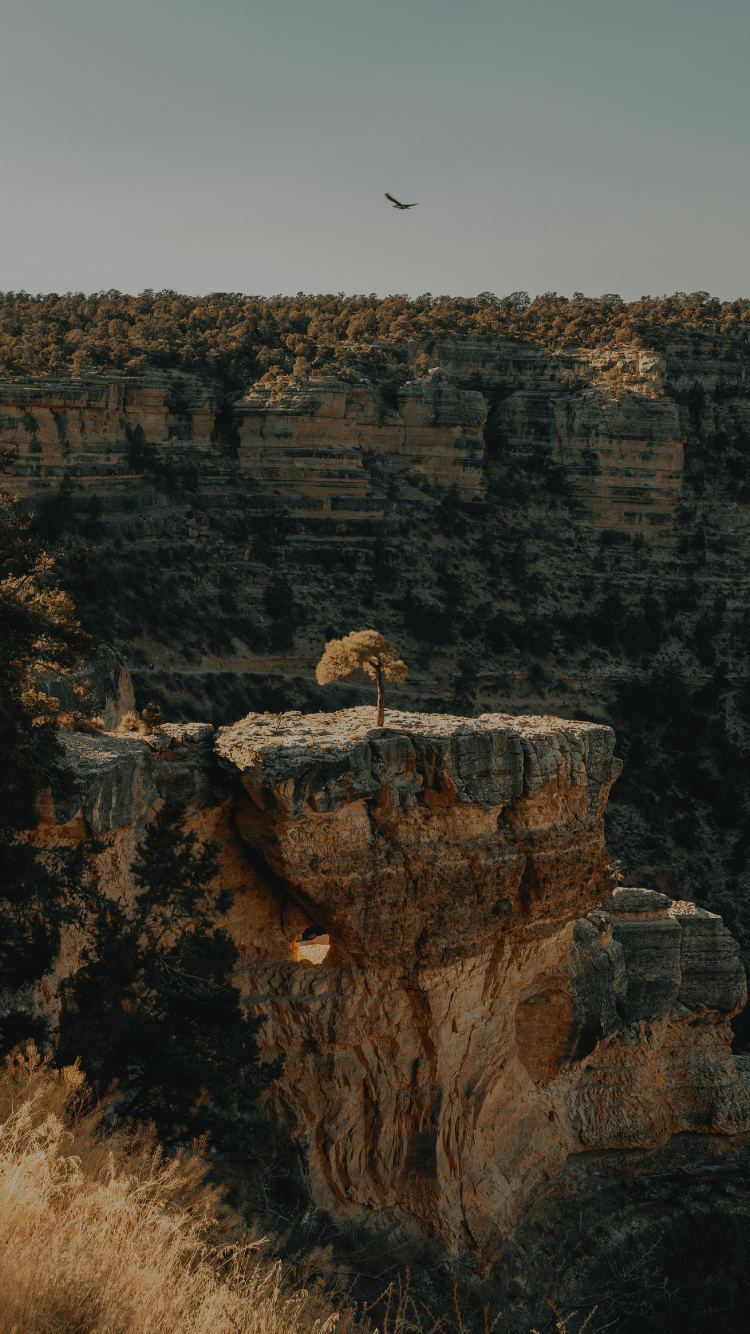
101, 1233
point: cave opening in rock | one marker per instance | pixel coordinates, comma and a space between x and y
313, 950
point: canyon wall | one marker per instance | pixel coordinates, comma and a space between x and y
87, 428
616, 420
484, 1003
311, 443
552, 531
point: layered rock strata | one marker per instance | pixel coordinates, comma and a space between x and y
88, 428
616, 420
314, 439
117, 778
478, 1018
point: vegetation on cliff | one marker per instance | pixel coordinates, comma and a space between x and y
38, 633
234, 339
152, 1007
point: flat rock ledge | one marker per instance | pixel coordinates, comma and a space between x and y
492, 758
428, 837
117, 776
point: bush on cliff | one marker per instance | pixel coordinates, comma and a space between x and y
153, 1007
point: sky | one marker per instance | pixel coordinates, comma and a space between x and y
246, 145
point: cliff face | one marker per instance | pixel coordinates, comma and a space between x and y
616, 419
87, 428
428, 838
474, 1023
484, 1005
314, 442
311, 439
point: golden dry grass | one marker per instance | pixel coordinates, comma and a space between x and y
103, 1235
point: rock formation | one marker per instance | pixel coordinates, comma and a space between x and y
488, 1004
312, 439
312, 443
87, 428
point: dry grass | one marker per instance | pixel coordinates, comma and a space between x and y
103, 1235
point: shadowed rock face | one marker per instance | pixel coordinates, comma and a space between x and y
478, 1018
117, 778
651, 1238
315, 435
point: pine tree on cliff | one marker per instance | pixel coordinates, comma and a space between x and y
362, 651
38, 633
153, 1007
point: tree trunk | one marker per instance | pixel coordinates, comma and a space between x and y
381, 697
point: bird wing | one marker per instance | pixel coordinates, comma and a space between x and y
393, 201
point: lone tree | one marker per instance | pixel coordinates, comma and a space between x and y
362, 651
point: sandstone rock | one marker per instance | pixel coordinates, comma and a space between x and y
109, 687
311, 437
182, 755
86, 427
114, 780
117, 778
651, 1239
470, 1028
489, 1005
426, 839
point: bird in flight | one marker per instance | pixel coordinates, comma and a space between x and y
396, 203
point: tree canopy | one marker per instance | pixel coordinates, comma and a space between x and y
362, 651
235, 339
153, 1007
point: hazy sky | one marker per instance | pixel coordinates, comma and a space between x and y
245, 145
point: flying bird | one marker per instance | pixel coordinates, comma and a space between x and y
396, 203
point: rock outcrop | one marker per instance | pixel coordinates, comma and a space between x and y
89, 428
484, 1004
428, 839
314, 445
488, 1006
117, 778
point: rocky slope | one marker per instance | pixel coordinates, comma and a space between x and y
484, 1005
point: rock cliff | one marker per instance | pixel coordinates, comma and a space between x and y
312, 439
484, 1004
89, 428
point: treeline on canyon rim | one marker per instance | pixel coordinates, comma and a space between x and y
235, 339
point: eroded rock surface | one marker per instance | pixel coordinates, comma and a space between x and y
311, 437
426, 839
489, 1006
116, 778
